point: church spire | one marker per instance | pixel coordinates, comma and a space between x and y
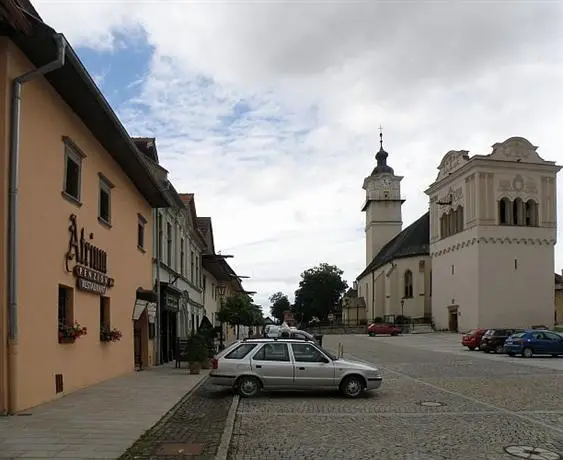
381, 158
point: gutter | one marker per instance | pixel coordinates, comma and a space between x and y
13, 183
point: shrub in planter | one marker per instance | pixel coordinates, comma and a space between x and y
196, 352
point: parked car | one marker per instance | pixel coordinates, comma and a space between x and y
288, 364
472, 339
534, 342
383, 329
493, 339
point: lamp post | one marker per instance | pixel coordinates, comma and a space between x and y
221, 293
403, 307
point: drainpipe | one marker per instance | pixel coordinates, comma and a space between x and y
13, 183
157, 319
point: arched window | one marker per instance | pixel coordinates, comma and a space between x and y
518, 212
504, 211
451, 223
459, 219
531, 214
443, 226
407, 281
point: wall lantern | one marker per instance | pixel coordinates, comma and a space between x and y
221, 290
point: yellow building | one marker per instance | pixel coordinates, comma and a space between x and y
80, 232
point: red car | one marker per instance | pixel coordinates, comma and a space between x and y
389, 329
472, 339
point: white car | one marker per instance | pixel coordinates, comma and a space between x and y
288, 364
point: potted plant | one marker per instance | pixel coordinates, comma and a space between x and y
196, 352
69, 334
110, 335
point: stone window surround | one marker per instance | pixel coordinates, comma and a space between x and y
518, 212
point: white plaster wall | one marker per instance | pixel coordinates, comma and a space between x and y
460, 287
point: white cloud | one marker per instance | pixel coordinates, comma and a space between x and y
283, 183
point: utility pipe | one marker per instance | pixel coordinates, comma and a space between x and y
158, 303
13, 183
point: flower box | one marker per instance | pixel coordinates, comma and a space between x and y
110, 335
69, 334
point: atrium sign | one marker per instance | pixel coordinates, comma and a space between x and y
90, 262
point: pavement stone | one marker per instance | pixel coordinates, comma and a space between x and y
198, 419
488, 404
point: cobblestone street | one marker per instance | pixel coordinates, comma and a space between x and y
485, 406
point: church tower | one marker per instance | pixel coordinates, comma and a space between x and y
383, 204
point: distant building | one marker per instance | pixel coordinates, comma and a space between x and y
482, 256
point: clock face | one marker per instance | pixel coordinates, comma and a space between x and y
386, 182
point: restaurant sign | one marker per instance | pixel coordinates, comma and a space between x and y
90, 262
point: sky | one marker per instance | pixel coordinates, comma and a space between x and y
269, 110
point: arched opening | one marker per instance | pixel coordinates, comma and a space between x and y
443, 226
407, 282
518, 212
451, 223
504, 211
459, 219
531, 213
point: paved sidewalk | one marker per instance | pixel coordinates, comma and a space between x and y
99, 422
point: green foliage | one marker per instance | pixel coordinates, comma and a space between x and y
319, 292
279, 304
239, 310
196, 349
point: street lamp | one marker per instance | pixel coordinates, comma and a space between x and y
403, 307
221, 293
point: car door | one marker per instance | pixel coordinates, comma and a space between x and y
554, 342
273, 365
540, 343
312, 368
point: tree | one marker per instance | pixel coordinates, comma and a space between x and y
239, 310
319, 292
279, 304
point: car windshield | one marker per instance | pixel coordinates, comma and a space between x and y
329, 354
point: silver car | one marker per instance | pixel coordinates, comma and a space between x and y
290, 364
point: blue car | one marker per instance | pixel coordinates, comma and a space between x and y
534, 342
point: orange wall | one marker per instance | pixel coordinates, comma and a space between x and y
43, 241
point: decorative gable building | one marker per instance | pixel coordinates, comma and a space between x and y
482, 256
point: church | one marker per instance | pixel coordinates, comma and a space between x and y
482, 256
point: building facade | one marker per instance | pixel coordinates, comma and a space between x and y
82, 231
492, 235
396, 280
491, 224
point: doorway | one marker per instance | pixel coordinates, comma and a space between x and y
452, 318
168, 329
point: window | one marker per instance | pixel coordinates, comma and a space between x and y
204, 283
407, 280
192, 266
197, 279
272, 352
452, 222
531, 217
104, 208
160, 237
72, 171
552, 336
430, 286
182, 255
518, 212
169, 244
104, 313
141, 232
241, 351
65, 315
213, 292
306, 353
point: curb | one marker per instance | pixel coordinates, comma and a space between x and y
223, 450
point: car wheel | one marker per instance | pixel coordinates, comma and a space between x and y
352, 386
511, 354
394, 334
486, 350
499, 350
248, 386
471, 348
527, 353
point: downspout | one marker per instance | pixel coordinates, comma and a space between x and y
157, 319
13, 183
